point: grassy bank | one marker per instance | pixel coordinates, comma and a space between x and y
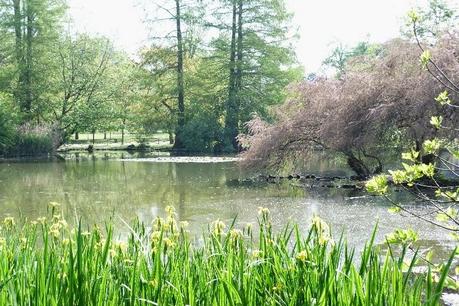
112, 142
44, 262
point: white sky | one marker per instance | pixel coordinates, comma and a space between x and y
321, 23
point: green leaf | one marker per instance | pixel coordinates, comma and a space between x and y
398, 176
442, 217
425, 58
400, 236
377, 185
413, 15
431, 146
443, 98
413, 155
436, 121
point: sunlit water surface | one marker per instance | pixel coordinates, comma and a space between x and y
96, 189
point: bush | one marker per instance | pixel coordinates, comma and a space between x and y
32, 144
28, 140
7, 133
202, 133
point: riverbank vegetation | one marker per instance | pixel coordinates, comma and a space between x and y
224, 78
379, 104
200, 91
45, 262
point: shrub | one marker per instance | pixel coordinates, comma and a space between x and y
202, 133
28, 140
7, 132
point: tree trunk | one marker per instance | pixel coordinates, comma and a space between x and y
180, 81
18, 29
230, 118
105, 135
77, 136
28, 65
171, 136
19, 50
93, 136
238, 71
357, 165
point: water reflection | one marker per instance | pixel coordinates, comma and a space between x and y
95, 189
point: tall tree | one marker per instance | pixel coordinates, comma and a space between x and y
35, 25
231, 118
180, 79
261, 62
181, 16
77, 90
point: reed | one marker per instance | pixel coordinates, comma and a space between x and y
45, 262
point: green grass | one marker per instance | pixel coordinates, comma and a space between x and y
86, 138
44, 262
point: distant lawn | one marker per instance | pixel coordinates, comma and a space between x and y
115, 137
113, 141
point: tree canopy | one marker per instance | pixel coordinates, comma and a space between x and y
379, 101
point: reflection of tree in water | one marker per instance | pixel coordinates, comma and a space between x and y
199, 192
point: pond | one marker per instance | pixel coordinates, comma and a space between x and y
95, 189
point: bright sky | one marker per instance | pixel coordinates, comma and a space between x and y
321, 23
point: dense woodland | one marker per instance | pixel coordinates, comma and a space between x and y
200, 77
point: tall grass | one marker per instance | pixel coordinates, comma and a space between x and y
44, 262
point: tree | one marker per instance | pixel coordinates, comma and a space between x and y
179, 14
127, 103
362, 117
35, 25
254, 46
342, 56
81, 65
433, 181
433, 21
239, 53
158, 112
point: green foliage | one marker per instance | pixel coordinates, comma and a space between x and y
431, 146
203, 133
431, 20
436, 121
21, 140
31, 141
45, 262
425, 59
443, 97
31, 144
377, 185
422, 177
7, 123
342, 56
400, 236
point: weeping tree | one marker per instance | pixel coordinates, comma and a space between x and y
381, 105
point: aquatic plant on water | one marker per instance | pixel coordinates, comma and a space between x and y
45, 262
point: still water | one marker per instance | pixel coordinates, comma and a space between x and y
94, 190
